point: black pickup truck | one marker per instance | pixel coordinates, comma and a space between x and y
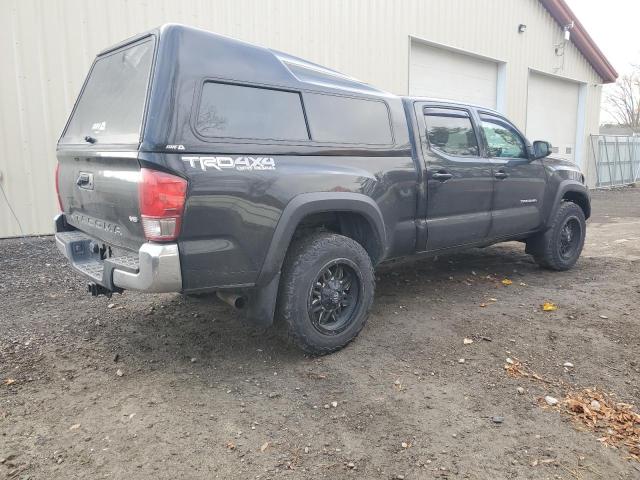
195, 163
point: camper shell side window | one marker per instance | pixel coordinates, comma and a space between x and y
245, 113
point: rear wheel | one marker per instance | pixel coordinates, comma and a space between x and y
560, 246
326, 291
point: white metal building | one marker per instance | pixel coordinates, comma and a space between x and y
508, 54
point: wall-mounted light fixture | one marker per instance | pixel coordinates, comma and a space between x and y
522, 28
567, 31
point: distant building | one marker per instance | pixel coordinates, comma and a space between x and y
611, 129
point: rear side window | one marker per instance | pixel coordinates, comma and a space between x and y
335, 119
452, 132
240, 111
111, 106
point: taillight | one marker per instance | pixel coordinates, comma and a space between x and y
58, 187
162, 198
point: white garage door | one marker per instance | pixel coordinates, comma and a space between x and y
440, 73
552, 113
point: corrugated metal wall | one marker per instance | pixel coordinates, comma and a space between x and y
47, 46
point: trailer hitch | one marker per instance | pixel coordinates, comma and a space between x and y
96, 290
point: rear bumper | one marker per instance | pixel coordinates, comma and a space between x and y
155, 268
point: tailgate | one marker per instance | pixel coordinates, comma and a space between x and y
99, 194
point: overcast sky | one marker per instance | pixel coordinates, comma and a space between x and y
615, 27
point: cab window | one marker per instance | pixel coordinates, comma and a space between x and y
502, 139
451, 132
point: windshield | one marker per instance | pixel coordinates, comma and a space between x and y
112, 103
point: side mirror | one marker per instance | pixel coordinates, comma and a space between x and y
541, 149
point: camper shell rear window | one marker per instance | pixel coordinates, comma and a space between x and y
111, 105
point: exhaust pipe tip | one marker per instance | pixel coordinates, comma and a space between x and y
240, 303
236, 301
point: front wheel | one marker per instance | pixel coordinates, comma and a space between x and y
326, 291
560, 246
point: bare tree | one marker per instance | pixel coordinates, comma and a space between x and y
623, 102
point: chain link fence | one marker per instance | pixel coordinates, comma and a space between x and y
617, 159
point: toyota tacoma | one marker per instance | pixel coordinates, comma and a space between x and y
194, 163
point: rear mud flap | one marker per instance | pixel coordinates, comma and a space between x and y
261, 303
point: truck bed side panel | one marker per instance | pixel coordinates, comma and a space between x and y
231, 215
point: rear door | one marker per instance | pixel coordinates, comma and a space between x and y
520, 181
97, 154
459, 179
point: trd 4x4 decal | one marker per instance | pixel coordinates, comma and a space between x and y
239, 163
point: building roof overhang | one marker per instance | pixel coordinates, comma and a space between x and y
562, 14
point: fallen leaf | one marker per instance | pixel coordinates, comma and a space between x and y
483, 305
506, 282
231, 445
264, 446
74, 426
467, 341
616, 424
9, 381
549, 307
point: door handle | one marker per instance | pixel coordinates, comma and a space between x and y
442, 176
501, 174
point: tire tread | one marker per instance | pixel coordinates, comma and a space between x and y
543, 247
303, 252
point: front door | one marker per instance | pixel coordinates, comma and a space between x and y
459, 179
520, 182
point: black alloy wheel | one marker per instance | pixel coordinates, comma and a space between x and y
333, 297
570, 238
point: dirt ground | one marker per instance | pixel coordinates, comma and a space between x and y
165, 386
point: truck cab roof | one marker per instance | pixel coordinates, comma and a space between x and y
449, 102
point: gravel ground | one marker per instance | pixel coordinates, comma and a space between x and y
165, 386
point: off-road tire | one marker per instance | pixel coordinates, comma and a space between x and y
545, 247
306, 259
